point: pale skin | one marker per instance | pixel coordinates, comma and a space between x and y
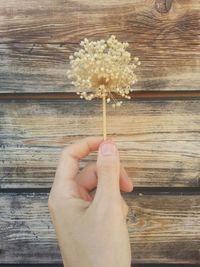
91, 225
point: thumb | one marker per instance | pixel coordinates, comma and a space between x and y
108, 170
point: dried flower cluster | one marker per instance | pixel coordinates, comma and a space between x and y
103, 67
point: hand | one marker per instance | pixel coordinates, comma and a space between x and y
91, 229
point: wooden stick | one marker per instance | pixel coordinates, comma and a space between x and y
104, 116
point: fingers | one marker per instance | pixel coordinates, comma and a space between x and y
68, 165
64, 184
126, 184
84, 194
108, 171
87, 178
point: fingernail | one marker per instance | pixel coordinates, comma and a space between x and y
108, 148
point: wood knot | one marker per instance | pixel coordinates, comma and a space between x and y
163, 6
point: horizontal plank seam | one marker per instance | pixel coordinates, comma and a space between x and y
137, 190
135, 265
55, 43
39, 265
171, 95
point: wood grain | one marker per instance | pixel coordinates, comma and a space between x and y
158, 140
162, 229
140, 21
38, 37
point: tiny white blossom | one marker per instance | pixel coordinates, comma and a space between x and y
103, 67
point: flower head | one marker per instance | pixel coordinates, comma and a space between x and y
103, 67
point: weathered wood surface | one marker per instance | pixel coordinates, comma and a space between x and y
162, 229
159, 141
42, 68
58, 21
36, 39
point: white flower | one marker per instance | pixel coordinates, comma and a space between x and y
103, 67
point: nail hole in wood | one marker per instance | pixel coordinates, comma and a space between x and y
163, 6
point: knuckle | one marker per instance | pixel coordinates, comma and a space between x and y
107, 166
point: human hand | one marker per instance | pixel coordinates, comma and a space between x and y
91, 230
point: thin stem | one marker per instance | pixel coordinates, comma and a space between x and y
104, 116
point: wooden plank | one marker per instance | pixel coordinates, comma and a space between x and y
37, 38
162, 229
34, 68
42, 68
158, 140
138, 21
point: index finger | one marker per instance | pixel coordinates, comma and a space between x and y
68, 165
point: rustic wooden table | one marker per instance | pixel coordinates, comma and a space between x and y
157, 132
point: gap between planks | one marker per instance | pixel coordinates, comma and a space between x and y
133, 265
171, 95
138, 191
